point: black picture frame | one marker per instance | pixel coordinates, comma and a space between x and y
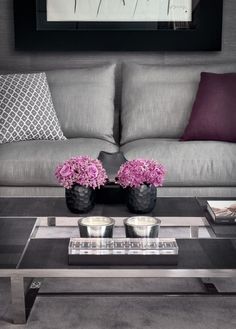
206, 36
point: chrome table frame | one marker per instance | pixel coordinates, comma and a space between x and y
17, 276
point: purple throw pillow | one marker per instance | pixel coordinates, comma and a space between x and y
213, 115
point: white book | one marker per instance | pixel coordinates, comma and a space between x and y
222, 210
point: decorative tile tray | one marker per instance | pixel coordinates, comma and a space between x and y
122, 251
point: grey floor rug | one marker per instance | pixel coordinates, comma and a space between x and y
122, 285
124, 312
133, 313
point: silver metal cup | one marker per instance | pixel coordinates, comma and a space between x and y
96, 227
142, 227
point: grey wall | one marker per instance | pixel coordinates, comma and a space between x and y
10, 60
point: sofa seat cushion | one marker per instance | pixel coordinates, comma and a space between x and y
32, 163
194, 163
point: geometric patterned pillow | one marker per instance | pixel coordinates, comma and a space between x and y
26, 109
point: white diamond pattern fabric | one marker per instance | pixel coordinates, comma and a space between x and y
26, 109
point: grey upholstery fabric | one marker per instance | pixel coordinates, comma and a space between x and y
53, 191
85, 95
157, 101
32, 163
195, 163
84, 101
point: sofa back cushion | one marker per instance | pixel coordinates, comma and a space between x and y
157, 101
84, 101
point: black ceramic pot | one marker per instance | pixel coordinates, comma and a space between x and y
141, 200
80, 199
112, 162
111, 193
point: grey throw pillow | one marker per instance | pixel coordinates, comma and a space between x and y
26, 109
84, 101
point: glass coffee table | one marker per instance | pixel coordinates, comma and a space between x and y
202, 254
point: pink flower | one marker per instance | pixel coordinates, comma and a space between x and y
81, 170
65, 171
92, 171
140, 171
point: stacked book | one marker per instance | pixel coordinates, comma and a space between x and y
222, 212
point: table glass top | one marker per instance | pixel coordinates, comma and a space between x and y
25, 220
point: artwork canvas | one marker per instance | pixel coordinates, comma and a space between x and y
119, 10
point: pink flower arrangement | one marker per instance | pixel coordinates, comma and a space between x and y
81, 170
137, 172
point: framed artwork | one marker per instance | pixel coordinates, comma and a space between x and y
119, 10
118, 24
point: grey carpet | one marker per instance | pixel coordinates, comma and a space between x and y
4, 324
124, 312
122, 285
4, 295
133, 313
225, 285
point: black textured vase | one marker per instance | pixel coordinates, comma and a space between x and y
80, 199
141, 200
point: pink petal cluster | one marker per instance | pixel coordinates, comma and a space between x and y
140, 171
81, 170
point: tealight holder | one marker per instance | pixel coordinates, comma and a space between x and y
142, 227
96, 227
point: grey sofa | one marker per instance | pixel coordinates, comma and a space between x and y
147, 121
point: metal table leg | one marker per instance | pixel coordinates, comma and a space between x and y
194, 231
18, 300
